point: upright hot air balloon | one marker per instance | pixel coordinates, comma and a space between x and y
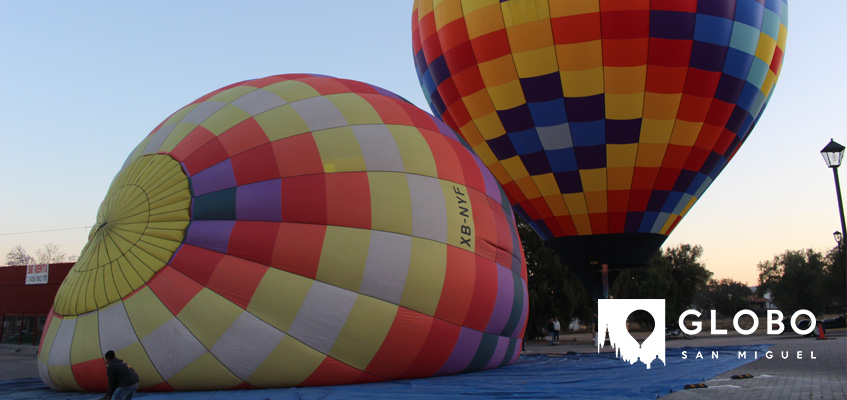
294, 230
604, 120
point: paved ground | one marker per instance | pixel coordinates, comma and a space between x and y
18, 362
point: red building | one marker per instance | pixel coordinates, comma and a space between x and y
24, 307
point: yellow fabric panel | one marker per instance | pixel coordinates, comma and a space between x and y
506, 96
661, 106
146, 312
471, 134
112, 293
48, 337
100, 296
625, 80
171, 231
575, 203
478, 104
770, 80
355, 109
668, 223
208, 315
424, 7
621, 178
64, 377
461, 229
656, 130
565, 8
340, 150
557, 204
425, 277
485, 155
137, 358
624, 106
446, 12
414, 151
530, 36
688, 206
482, 17
546, 184
582, 224
580, 56
514, 166
177, 117
364, 331
597, 202
266, 303
536, 62
650, 155
621, 155
528, 187
344, 255
766, 47
86, 340
498, 71
390, 195
499, 172
139, 150
582, 83
290, 363
231, 94
281, 122
180, 131
490, 125
516, 13
685, 133
225, 118
593, 180
205, 372
291, 91
132, 276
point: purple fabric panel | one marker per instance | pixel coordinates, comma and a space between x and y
516, 352
214, 178
259, 201
524, 312
492, 188
463, 352
499, 352
211, 235
503, 303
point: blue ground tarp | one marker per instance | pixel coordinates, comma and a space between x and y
574, 376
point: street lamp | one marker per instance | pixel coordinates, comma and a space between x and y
832, 155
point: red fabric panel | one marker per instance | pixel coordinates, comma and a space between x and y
348, 200
297, 155
91, 375
195, 262
436, 350
237, 279
484, 294
332, 372
402, 344
298, 249
255, 165
173, 288
457, 290
253, 240
304, 199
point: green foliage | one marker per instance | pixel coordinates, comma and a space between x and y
803, 279
726, 296
674, 274
553, 290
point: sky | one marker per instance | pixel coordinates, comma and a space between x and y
82, 83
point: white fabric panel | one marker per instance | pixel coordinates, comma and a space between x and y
322, 315
158, 138
172, 347
202, 111
378, 148
115, 329
246, 344
555, 137
45, 377
429, 210
60, 353
387, 266
258, 101
319, 113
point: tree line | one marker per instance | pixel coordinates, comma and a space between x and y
51, 253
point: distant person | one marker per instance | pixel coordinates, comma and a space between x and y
123, 381
556, 328
550, 326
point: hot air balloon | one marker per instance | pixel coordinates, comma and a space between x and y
604, 120
294, 230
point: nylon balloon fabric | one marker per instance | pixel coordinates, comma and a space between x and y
294, 230
604, 120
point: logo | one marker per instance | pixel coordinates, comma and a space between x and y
611, 317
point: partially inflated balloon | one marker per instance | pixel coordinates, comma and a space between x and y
605, 120
293, 230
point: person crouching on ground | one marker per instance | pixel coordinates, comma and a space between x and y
123, 381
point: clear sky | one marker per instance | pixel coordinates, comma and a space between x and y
81, 83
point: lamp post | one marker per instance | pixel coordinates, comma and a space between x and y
832, 155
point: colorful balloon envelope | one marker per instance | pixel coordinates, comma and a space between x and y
604, 120
293, 230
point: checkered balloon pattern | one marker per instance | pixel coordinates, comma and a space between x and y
604, 120
294, 230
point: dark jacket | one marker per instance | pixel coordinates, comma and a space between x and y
120, 374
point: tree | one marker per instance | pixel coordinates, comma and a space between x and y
727, 296
674, 274
553, 291
796, 279
19, 256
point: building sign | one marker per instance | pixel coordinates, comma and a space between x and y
36, 274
